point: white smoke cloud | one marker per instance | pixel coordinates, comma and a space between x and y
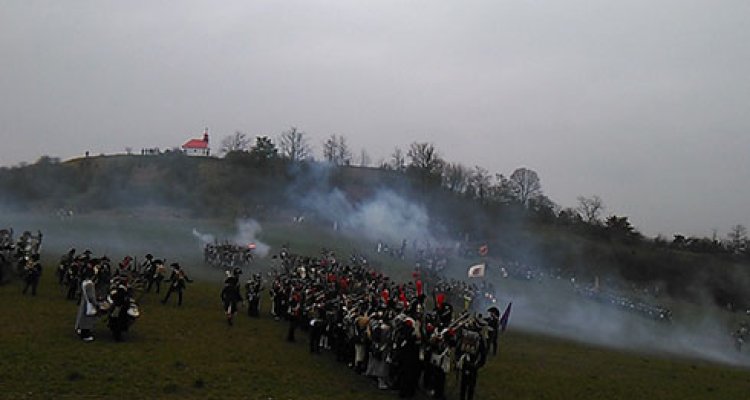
247, 232
552, 309
204, 238
384, 216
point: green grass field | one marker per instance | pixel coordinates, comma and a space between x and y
190, 352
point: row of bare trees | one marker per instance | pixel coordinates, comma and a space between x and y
294, 145
422, 161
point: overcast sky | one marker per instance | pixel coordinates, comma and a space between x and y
644, 103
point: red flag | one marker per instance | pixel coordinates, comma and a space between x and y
483, 250
504, 318
419, 287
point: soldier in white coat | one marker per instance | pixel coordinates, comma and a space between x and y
87, 309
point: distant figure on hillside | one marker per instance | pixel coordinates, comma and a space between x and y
178, 280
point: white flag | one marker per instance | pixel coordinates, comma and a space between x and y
476, 271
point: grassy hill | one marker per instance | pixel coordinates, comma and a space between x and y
240, 185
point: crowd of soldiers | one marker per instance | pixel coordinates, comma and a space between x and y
21, 257
427, 255
393, 332
228, 255
112, 291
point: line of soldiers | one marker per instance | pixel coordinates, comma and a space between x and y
615, 298
228, 255
379, 327
652, 311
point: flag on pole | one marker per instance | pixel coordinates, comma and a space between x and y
476, 271
504, 318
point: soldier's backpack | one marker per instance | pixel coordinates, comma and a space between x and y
470, 342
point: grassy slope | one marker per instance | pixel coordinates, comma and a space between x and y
190, 352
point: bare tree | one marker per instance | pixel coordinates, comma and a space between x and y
737, 239
336, 151
398, 161
424, 158
293, 145
590, 208
330, 149
344, 154
425, 164
235, 142
364, 158
502, 190
525, 185
456, 177
479, 180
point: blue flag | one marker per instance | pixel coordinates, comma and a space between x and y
504, 318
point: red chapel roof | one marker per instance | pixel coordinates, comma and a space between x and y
195, 144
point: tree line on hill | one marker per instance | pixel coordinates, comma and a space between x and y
422, 163
511, 213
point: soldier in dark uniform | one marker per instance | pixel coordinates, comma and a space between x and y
253, 288
317, 325
147, 271
158, 276
493, 325
471, 355
230, 294
33, 270
104, 274
178, 280
72, 277
294, 314
4, 264
408, 359
118, 317
65, 262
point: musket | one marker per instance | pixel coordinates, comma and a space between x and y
462, 320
